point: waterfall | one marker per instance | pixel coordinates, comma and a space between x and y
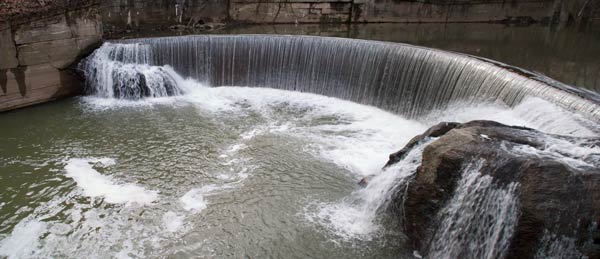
400, 78
557, 247
478, 221
125, 71
356, 216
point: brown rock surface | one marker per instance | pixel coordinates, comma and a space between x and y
558, 186
34, 63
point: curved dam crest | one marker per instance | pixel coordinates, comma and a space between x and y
401, 78
154, 163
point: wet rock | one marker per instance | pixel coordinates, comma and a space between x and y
365, 181
557, 179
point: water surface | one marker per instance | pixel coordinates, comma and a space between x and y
219, 172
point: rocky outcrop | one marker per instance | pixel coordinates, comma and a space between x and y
36, 51
555, 181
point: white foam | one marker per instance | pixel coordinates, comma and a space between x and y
128, 252
532, 113
172, 222
193, 200
24, 240
573, 154
355, 141
95, 184
361, 134
355, 217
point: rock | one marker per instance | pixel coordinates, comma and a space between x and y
435, 131
34, 65
365, 181
25, 86
556, 182
59, 53
8, 51
41, 30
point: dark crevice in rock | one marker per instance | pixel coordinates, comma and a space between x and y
19, 73
3, 80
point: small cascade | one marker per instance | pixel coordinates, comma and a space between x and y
125, 71
478, 221
356, 215
557, 247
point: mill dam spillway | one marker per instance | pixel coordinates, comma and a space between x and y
233, 146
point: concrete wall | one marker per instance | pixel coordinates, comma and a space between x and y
35, 54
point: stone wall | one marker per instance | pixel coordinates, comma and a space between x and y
411, 11
292, 11
36, 52
455, 11
126, 16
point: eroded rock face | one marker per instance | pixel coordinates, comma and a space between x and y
487, 190
37, 50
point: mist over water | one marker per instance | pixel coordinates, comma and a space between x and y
230, 171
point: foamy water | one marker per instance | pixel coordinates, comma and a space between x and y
95, 184
355, 217
150, 210
23, 241
195, 199
355, 137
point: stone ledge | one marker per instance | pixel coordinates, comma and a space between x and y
35, 84
31, 69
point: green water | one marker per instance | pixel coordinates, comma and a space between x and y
257, 169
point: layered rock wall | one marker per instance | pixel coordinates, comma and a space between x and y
35, 53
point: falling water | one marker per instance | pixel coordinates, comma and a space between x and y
412, 81
125, 71
479, 219
401, 78
556, 247
357, 215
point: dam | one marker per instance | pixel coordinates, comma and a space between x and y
235, 144
208, 132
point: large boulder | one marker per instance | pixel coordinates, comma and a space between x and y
487, 190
